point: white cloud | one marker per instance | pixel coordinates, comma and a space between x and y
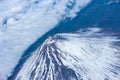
113, 1
22, 22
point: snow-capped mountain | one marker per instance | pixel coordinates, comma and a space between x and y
85, 55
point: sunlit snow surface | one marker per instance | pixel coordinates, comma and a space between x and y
88, 54
22, 22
